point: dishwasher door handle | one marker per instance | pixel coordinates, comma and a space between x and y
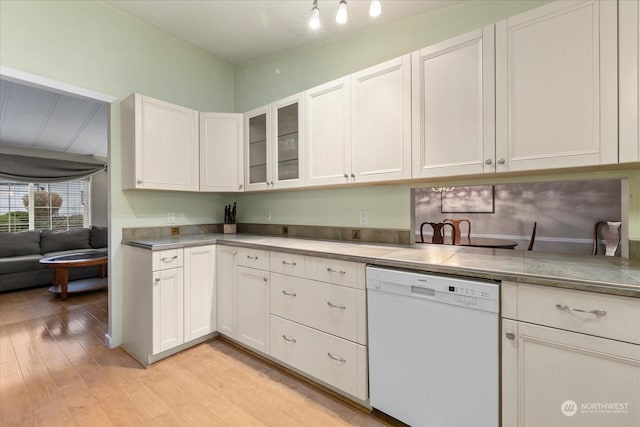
427, 292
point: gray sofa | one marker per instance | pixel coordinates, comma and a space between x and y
20, 253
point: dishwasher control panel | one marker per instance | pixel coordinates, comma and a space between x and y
477, 294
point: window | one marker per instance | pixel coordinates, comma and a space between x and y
54, 206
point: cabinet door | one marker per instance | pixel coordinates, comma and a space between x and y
199, 292
168, 322
629, 39
221, 152
454, 106
568, 379
556, 86
381, 121
166, 146
328, 133
288, 146
258, 156
226, 290
252, 308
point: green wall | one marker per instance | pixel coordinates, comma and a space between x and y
92, 45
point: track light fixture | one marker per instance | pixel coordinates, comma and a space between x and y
314, 22
375, 9
341, 16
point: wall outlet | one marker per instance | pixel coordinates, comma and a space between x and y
285, 231
171, 218
364, 218
175, 231
355, 234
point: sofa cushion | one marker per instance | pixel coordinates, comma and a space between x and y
98, 237
18, 264
54, 241
19, 243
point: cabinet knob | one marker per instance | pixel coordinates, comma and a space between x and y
501, 161
266, 279
353, 175
488, 161
271, 182
157, 279
346, 175
139, 181
240, 187
510, 335
268, 183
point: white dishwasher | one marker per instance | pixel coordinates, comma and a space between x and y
433, 348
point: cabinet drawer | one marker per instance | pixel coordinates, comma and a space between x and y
290, 264
170, 258
333, 309
253, 258
345, 273
337, 362
607, 316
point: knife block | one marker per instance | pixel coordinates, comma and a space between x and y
229, 228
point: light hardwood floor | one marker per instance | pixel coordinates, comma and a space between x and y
55, 369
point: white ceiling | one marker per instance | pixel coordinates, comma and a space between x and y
45, 120
234, 31
237, 31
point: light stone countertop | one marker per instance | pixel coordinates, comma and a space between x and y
609, 275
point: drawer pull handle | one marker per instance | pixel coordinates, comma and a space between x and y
170, 259
337, 359
252, 257
331, 270
292, 294
341, 307
289, 263
597, 311
510, 335
286, 338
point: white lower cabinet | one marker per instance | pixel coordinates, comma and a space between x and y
337, 362
319, 320
226, 262
337, 310
564, 375
199, 291
168, 300
252, 308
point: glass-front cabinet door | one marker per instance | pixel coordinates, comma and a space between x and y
273, 145
257, 129
288, 148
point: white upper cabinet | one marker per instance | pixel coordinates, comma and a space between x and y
629, 51
221, 152
454, 106
328, 133
273, 147
381, 122
556, 86
257, 126
288, 149
159, 145
358, 128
